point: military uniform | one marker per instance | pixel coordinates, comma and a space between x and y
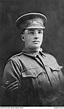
33, 79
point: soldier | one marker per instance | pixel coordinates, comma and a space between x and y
32, 77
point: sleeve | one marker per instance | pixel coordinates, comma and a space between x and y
59, 75
11, 83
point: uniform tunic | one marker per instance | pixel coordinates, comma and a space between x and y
33, 79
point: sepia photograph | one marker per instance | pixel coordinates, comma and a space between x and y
31, 53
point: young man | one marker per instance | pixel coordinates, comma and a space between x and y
32, 78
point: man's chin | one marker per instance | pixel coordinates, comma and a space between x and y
35, 47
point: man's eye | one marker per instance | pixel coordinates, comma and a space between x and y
31, 32
40, 31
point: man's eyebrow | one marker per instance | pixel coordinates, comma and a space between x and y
30, 29
34, 29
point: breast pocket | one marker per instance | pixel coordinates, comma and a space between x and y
54, 75
32, 72
55, 69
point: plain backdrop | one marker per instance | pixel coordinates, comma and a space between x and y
10, 41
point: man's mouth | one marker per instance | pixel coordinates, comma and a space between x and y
36, 41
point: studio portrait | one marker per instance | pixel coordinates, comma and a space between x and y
32, 53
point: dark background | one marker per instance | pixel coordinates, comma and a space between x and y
10, 41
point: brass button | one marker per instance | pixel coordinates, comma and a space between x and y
7, 82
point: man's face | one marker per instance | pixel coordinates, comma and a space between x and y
33, 38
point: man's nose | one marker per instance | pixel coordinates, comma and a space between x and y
36, 34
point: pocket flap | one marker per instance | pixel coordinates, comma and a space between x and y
55, 66
33, 72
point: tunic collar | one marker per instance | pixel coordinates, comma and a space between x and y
31, 52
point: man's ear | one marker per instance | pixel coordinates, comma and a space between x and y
22, 37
